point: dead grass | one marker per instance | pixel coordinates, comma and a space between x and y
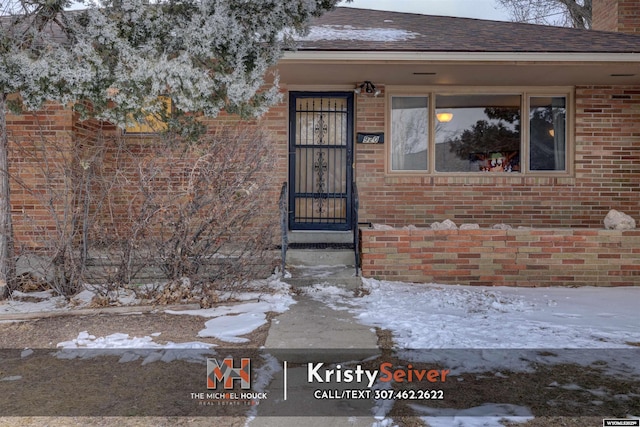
532, 390
161, 389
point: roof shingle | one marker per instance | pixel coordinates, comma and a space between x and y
352, 29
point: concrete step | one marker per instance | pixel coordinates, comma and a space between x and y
320, 257
325, 237
340, 276
351, 283
308, 267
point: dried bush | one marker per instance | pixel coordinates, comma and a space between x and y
208, 209
204, 210
62, 193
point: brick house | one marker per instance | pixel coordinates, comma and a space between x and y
476, 121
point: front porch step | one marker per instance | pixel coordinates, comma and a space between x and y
320, 257
345, 279
300, 237
324, 246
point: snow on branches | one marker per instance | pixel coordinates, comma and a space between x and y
119, 56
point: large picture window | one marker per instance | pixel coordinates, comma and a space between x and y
477, 133
482, 132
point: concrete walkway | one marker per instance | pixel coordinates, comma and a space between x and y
319, 334
311, 324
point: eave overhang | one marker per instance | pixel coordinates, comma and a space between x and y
460, 68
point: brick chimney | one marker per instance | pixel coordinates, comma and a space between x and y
616, 15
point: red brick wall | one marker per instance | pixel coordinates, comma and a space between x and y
606, 176
608, 151
32, 137
144, 150
32, 180
503, 257
275, 121
617, 15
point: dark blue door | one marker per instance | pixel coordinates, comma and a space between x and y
320, 160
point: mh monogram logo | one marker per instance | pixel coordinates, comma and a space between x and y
226, 373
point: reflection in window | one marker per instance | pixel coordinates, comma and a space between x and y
478, 133
152, 122
547, 130
409, 133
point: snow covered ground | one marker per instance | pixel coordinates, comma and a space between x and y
445, 316
488, 319
426, 317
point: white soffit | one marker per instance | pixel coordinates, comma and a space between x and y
460, 68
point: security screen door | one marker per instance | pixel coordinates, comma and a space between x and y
320, 160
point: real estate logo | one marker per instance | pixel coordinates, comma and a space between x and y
226, 373
222, 376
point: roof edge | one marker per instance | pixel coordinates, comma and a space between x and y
400, 56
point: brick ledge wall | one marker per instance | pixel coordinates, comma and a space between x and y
518, 257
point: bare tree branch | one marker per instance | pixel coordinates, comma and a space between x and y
567, 13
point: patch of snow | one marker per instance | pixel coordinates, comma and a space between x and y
486, 415
277, 297
230, 321
336, 295
262, 377
317, 271
228, 328
12, 306
348, 32
87, 346
36, 295
382, 406
571, 387
121, 340
227, 323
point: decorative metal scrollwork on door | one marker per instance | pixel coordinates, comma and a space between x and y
320, 167
321, 128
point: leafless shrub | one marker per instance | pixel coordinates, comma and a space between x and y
121, 207
202, 210
61, 196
